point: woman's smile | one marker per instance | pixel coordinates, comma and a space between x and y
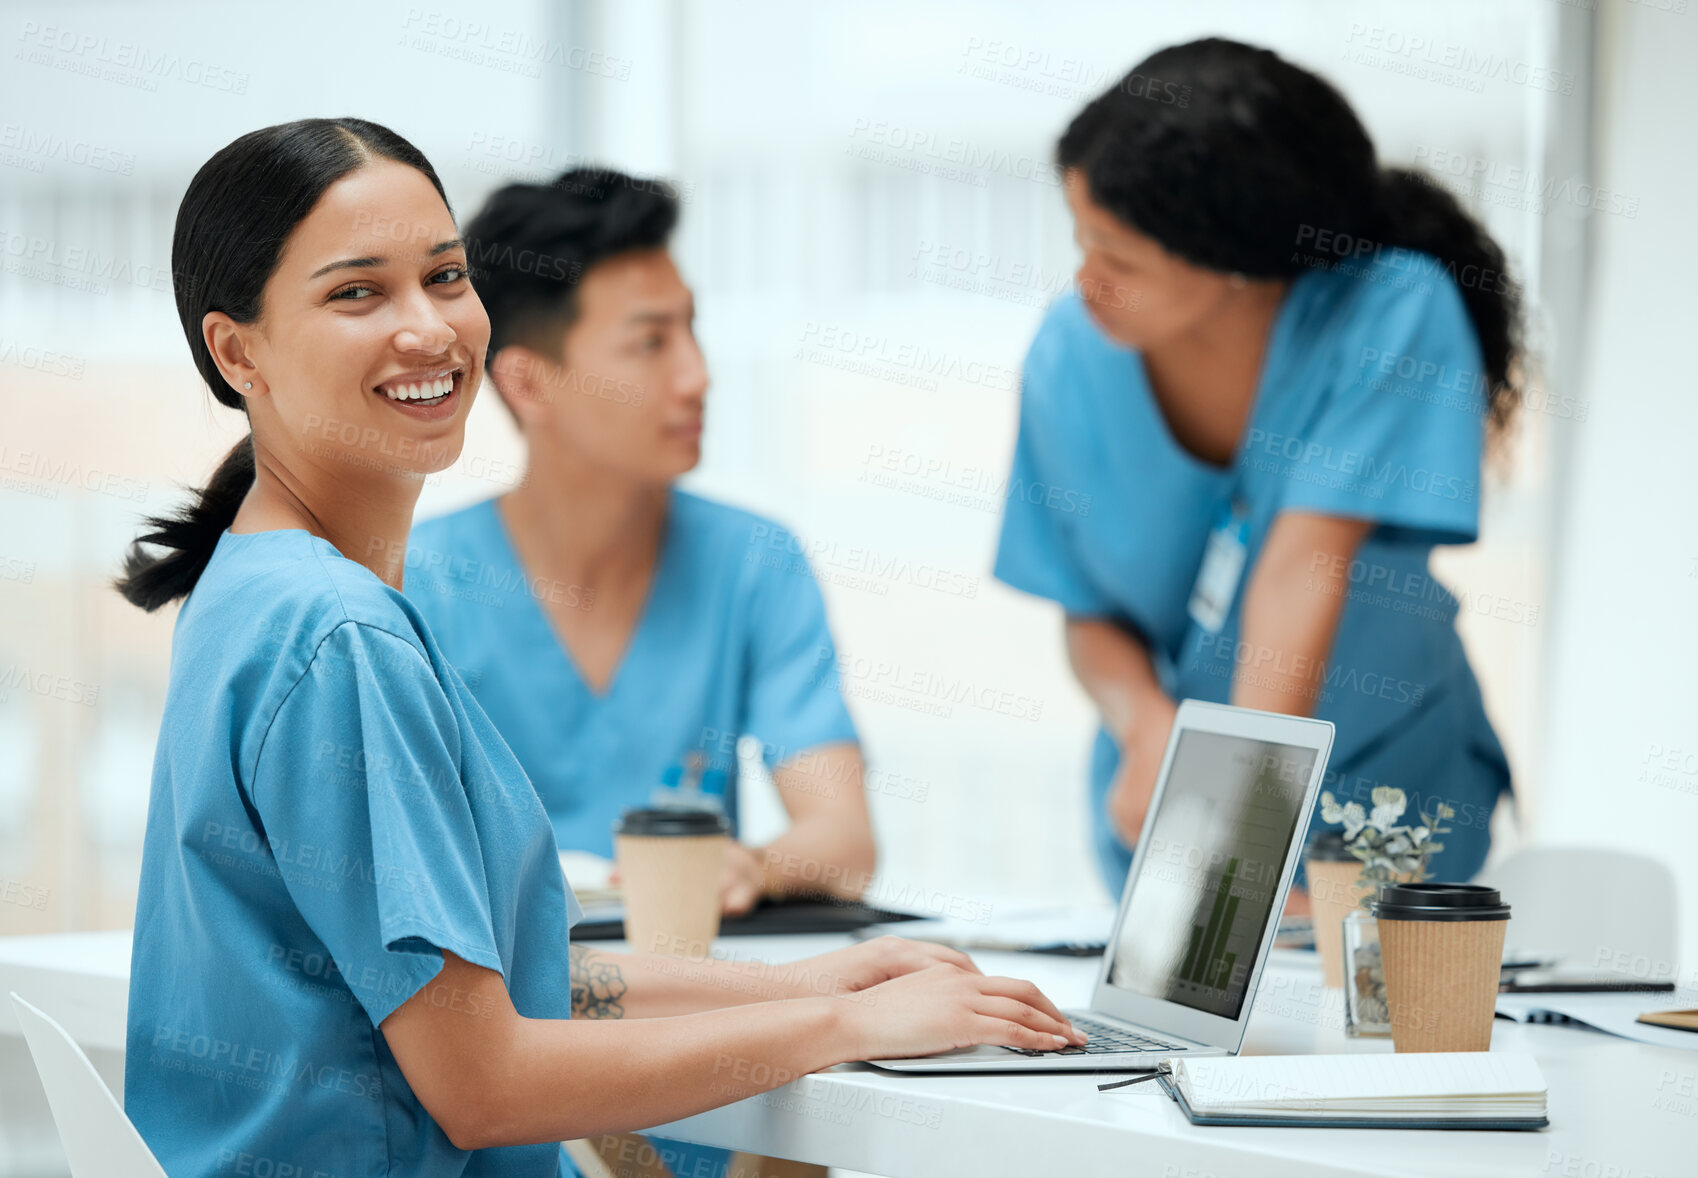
425, 395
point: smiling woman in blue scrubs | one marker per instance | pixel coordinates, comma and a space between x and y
351, 949
1272, 387
623, 633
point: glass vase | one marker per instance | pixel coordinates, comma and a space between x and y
1366, 1014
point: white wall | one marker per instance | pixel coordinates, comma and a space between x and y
1622, 753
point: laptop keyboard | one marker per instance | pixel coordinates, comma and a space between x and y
1105, 1040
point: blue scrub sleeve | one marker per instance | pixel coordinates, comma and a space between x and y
795, 701
1035, 552
1398, 439
358, 788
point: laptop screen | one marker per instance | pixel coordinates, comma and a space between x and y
1194, 923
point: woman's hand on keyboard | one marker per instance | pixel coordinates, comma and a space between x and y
944, 1007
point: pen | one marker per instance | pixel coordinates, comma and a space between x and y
1165, 1069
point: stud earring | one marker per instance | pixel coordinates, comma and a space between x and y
247, 384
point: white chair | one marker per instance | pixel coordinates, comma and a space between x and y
99, 1140
1593, 907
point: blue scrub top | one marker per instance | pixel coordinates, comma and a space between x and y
1370, 405
330, 810
732, 641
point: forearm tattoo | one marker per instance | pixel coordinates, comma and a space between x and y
597, 985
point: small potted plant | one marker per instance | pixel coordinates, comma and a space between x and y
1390, 853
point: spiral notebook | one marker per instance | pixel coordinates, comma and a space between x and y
1438, 1090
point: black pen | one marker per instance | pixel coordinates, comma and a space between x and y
1163, 1069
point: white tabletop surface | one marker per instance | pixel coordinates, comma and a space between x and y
1617, 1108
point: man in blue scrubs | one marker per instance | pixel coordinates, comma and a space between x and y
622, 633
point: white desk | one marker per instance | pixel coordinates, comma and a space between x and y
1617, 1108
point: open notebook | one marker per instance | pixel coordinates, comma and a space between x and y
1450, 1090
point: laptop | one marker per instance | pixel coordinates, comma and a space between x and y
1214, 862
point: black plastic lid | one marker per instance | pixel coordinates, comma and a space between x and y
656, 821
1328, 847
1439, 901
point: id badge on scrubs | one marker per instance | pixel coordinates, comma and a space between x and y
1223, 566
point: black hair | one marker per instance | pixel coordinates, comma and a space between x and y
1234, 159
238, 212
531, 245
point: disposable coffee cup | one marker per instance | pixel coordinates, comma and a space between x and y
670, 861
1336, 888
1441, 946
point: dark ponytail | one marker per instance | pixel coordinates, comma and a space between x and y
1417, 214
190, 534
1235, 160
235, 218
